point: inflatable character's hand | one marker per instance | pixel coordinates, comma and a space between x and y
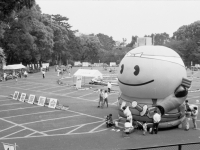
176, 99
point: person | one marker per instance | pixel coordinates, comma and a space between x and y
187, 107
43, 74
105, 98
156, 120
58, 70
127, 113
144, 125
187, 121
109, 121
128, 127
25, 74
4, 76
194, 117
109, 85
100, 98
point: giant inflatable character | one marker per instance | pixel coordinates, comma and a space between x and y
153, 77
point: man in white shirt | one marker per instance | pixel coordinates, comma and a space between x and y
156, 121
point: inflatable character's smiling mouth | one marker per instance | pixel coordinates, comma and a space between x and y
136, 84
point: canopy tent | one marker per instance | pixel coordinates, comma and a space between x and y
13, 67
88, 73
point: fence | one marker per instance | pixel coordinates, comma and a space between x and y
180, 146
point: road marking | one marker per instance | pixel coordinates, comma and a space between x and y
60, 90
32, 114
22, 126
49, 119
12, 133
69, 93
74, 129
86, 94
97, 127
71, 126
19, 108
11, 104
6, 100
30, 134
54, 135
8, 128
36, 87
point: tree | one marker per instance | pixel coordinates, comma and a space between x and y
107, 42
2, 58
133, 41
90, 48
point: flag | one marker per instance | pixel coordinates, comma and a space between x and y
9, 146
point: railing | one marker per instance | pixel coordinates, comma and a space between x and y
180, 146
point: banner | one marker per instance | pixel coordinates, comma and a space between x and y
9, 146
78, 82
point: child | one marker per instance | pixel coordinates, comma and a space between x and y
144, 125
109, 121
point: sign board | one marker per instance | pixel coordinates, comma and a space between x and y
113, 64
16, 95
41, 101
31, 99
22, 97
52, 103
78, 82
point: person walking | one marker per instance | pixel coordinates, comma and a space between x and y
105, 98
156, 120
25, 74
194, 117
43, 74
109, 85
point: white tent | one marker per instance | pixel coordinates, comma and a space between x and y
88, 73
12, 67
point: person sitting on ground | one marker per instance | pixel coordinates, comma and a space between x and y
144, 125
109, 121
128, 127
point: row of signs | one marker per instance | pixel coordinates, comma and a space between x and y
32, 98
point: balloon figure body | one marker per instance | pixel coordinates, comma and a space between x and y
153, 78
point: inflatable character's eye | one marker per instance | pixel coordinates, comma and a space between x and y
122, 68
137, 70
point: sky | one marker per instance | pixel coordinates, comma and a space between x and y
124, 18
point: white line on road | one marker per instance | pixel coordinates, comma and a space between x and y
32, 114
12, 133
97, 127
19, 108
49, 119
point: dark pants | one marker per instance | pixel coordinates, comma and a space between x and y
43, 75
106, 101
108, 90
155, 128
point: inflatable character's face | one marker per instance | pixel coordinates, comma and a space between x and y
150, 72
